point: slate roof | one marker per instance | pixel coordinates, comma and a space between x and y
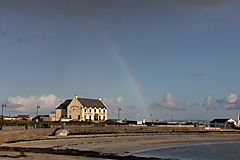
64, 104
91, 103
85, 103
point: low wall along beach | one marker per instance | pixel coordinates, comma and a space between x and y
102, 141
10, 133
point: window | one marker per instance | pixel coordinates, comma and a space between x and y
99, 110
70, 117
99, 118
90, 110
90, 117
85, 117
95, 110
104, 111
85, 110
103, 117
78, 116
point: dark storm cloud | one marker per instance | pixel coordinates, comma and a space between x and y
195, 104
22, 40
195, 74
62, 14
2, 33
49, 9
43, 36
132, 106
76, 13
202, 4
78, 9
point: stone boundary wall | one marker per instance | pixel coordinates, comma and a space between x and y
24, 127
8, 128
130, 129
174, 126
25, 134
16, 135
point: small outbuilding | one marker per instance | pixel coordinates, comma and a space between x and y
24, 117
223, 123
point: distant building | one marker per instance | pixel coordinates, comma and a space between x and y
24, 117
238, 120
42, 118
81, 109
10, 118
223, 122
52, 116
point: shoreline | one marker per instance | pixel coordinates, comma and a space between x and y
113, 146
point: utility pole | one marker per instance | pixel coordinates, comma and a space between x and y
3, 105
207, 116
37, 109
151, 117
126, 115
161, 115
179, 117
119, 109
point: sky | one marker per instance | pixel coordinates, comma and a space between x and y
154, 59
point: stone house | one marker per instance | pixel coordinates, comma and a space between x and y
81, 109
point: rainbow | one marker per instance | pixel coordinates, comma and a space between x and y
133, 83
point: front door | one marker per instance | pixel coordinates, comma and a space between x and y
96, 117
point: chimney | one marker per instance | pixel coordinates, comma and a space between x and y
99, 98
75, 96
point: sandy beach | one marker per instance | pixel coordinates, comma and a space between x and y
115, 144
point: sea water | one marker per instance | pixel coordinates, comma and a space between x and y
200, 151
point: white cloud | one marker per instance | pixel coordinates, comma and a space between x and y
119, 99
231, 102
138, 116
208, 103
113, 103
29, 104
170, 104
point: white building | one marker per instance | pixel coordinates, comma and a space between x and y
81, 109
